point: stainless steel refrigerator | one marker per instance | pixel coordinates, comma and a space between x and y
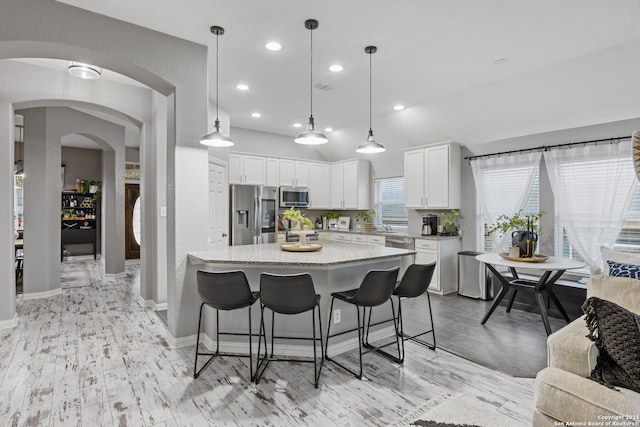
254, 214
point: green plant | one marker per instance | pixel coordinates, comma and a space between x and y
450, 222
68, 212
366, 216
293, 215
332, 215
86, 188
516, 222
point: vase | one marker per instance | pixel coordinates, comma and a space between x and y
526, 241
368, 226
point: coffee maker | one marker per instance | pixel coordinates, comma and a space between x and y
429, 225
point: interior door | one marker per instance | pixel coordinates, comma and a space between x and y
132, 221
218, 205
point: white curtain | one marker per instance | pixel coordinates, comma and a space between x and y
503, 185
593, 186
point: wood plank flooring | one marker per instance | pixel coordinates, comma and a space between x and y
93, 357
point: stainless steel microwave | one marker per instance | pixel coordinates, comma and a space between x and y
294, 197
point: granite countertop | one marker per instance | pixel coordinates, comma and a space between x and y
332, 253
402, 233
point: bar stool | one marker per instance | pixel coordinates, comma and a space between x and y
224, 291
288, 294
414, 283
376, 289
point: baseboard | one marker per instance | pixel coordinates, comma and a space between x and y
179, 342
292, 350
158, 306
11, 323
115, 276
38, 295
144, 303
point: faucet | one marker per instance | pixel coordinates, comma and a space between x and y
386, 227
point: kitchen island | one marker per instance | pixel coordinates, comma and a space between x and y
337, 266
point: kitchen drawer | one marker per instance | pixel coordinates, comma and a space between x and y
359, 238
341, 237
377, 240
426, 244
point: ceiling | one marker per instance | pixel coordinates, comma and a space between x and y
430, 53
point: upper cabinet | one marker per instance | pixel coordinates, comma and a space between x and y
273, 172
319, 186
294, 173
247, 169
432, 177
350, 185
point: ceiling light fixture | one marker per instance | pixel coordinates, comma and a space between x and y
242, 86
297, 125
501, 61
336, 68
328, 129
216, 138
370, 146
311, 136
398, 107
84, 71
273, 46
256, 115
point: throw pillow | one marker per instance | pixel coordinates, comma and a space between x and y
616, 333
618, 269
618, 256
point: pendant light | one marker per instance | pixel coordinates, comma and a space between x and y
311, 136
216, 138
370, 146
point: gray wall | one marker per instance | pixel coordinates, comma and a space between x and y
82, 164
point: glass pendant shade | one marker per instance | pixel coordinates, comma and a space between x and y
311, 136
216, 138
370, 146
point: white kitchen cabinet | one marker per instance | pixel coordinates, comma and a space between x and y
445, 254
273, 172
319, 189
294, 173
247, 169
341, 237
432, 177
350, 185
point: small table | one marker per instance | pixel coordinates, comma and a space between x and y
557, 266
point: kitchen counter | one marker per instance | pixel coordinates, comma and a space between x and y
393, 233
332, 253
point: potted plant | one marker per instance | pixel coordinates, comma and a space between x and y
92, 187
524, 230
332, 218
68, 213
297, 220
450, 223
367, 217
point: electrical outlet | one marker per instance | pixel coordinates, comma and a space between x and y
337, 318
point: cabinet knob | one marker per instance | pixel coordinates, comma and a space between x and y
224, 234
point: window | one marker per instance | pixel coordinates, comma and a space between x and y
532, 206
389, 202
629, 238
131, 170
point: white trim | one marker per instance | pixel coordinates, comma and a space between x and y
159, 306
144, 303
290, 350
38, 295
11, 323
111, 276
179, 342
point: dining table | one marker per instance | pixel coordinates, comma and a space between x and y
550, 270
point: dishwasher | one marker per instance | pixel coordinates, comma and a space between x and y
402, 242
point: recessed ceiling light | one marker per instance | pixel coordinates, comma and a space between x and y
84, 71
242, 86
336, 68
256, 115
398, 107
273, 46
328, 129
501, 61
297, 125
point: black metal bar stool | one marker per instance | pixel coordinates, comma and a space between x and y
376, 289
288, 294
224, 291
414, 283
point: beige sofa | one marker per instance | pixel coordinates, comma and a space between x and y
563, 393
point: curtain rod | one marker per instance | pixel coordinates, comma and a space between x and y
549, 147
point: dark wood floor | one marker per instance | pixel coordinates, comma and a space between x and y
514, 343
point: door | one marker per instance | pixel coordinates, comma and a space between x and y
132, 221
218, 205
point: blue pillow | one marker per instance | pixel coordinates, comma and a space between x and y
618, 269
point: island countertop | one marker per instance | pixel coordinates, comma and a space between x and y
332, 253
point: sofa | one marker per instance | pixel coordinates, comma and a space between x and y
563, 393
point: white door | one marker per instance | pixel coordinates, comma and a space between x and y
414, 179
218, 204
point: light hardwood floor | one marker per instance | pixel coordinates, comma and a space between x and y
93, 357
